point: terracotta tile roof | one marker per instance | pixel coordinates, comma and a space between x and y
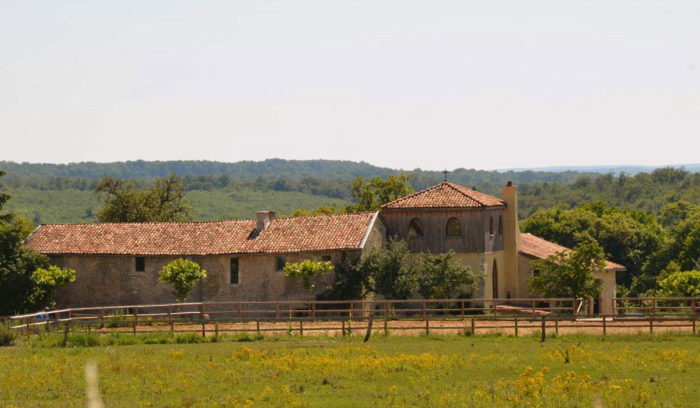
446, 195
539, 248
330, 232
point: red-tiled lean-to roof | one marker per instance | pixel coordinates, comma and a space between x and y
537, 247
330, 232
446, 195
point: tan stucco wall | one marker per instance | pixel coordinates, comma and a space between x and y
483, 264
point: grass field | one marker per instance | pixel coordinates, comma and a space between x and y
449, 371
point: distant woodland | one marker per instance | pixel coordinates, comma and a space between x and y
50, 193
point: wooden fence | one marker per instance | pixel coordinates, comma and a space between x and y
468, 316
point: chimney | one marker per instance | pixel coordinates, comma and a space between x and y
511, 243
264, 219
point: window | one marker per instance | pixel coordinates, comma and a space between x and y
491, 226
536, 272
326, 258
234, 280
454, 228
500, 225
415, 228
281, 261
140, 264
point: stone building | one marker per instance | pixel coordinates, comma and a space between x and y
118, 264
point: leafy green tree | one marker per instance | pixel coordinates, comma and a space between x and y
322, 210
27, 281
183, 275
46, 281
3, 199
393, 273
570, 274
307, 270
350, 282
629, 237
164, 201
680, 284
372, 195
441, 276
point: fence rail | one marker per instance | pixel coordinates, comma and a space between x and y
516, 316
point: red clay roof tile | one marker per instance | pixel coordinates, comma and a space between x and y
537, 247
330, 232
446, 195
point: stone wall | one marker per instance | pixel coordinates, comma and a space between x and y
112, 280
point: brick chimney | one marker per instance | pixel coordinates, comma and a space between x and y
264, 219
511, 239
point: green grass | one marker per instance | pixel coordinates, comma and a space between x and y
478, 371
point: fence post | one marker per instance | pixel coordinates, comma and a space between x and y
257, 327
301, 328
653, 306
343, 328
516, 326
494, 307
556, 325
544, 328
277, 310
533, 307
313, 311
386, 314
170, 318
462, 309
573, 312
651, 324
135, 318
201, 318
70, 318
102, 318
605, 326
425, 316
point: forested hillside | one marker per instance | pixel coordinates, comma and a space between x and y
50, 193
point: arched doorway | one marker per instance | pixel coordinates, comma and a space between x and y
494, 279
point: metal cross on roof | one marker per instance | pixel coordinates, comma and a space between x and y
445, 172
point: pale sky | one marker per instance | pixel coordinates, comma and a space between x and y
399, 84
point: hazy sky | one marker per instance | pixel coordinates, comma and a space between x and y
400, 84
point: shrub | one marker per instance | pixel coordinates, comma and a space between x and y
7, 336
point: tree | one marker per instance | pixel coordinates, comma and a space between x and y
46, 281
680, 284
164, 201
372, 195
350, 282
322, 210
570, 274
442, 275
629, 237
392, 272
27, 281
307, 270
183, 275
3, 199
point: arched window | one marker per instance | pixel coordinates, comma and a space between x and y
454, 228
491, 226
500, 225
415, 227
